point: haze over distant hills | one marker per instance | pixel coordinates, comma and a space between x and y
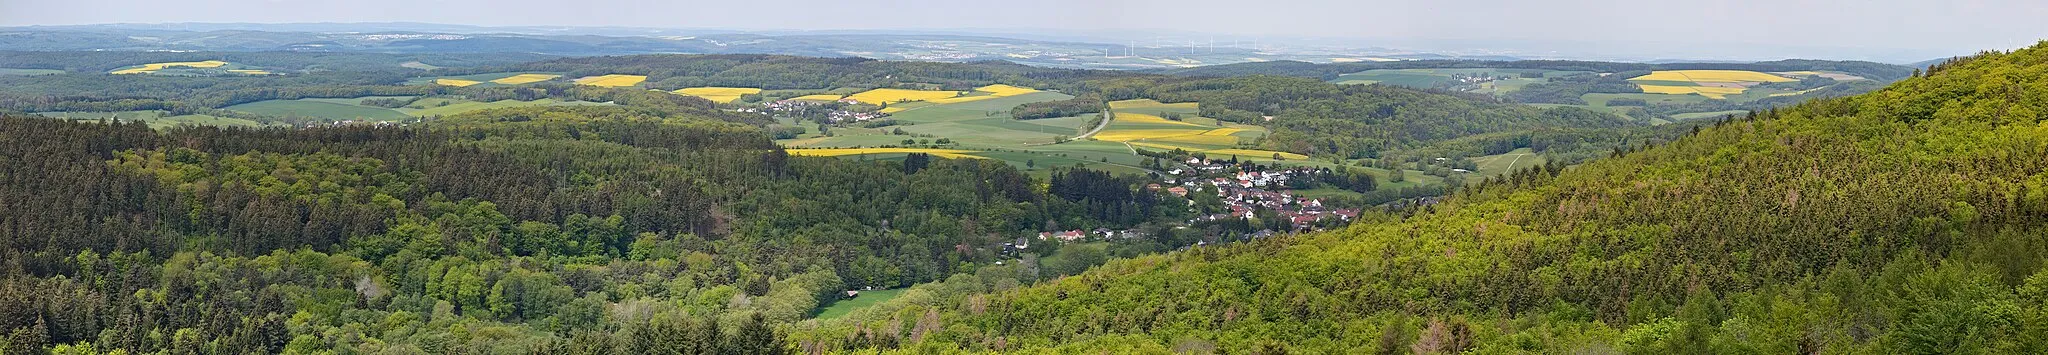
1054, 48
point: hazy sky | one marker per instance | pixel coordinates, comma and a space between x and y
1959, 26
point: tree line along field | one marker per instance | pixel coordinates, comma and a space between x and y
156, 119
27, 72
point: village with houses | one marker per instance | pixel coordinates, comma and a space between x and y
830, 112
1244, 193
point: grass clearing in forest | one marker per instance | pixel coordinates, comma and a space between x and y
1504, 163
612, 80
867, 298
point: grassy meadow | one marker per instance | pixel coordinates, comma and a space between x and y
155, 119
342, 109
867, 298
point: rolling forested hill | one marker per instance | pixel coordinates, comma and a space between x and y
1907, 220
540, 229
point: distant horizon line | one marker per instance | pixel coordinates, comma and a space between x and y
1522, 48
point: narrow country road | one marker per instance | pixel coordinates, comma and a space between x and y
1106, 116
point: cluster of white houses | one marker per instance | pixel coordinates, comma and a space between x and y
835, 116
1247, 191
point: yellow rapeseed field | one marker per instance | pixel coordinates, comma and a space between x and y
1201, 139
1223, 131
525, 79
612, 80
1150, 119
819, 97
153, 67
1255, 154
1127, 135
955, 100
1005, 90
456, 82
834, 152
718, 94
1710, 92
880, 96
1712, 76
